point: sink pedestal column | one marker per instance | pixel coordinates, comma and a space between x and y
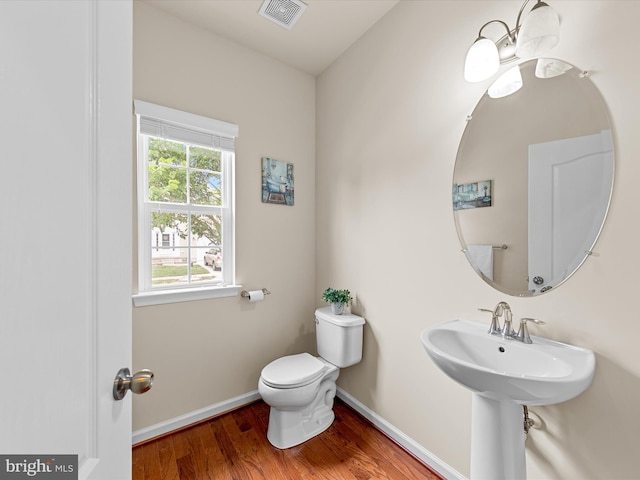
497, 439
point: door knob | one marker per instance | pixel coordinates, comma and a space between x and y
139, 382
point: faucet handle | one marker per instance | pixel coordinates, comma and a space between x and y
532, 320
494, 328
523, 331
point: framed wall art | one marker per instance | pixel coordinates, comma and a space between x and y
277, 182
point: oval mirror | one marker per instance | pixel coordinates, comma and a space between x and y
533, 179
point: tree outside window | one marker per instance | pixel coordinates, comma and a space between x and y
188, 179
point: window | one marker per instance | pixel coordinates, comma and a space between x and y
185, 206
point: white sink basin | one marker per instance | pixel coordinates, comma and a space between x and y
540, 373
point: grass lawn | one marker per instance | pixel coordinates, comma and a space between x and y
177, 270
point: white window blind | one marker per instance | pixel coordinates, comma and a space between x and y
172, 124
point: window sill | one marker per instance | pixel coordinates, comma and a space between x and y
161, 297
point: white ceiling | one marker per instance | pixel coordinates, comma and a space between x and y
325, 30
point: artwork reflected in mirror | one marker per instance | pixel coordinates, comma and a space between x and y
549, 147
472, 195
277, 182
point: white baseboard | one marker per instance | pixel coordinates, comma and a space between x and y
380, 423
401, 439
193, 417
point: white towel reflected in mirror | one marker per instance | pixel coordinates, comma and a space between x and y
481, 257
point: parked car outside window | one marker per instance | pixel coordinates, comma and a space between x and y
212, 257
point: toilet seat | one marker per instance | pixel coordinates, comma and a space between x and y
293, 371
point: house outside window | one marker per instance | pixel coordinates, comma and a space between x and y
185, 205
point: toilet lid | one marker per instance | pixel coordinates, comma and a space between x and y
292, 371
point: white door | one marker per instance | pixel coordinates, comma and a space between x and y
569, 190
65, 231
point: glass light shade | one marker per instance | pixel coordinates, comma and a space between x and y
549, 67
482, 60
539, 33
506, 84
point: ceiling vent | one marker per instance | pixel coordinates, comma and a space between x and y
283, 12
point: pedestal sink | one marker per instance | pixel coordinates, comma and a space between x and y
503, 375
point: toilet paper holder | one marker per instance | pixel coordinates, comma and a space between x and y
245, 294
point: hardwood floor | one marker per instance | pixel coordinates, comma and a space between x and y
234, 446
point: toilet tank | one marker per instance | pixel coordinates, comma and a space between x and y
339, 337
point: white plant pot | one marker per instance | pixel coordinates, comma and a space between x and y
337, 308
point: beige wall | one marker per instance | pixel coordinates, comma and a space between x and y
205, 352
390, 114
388, 117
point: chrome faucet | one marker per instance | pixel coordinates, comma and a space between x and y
501, 309
504, 310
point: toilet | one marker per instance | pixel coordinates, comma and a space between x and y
300, 388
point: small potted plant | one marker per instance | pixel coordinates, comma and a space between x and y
337, 298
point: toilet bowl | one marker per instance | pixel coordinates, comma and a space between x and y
301, 407
300, 388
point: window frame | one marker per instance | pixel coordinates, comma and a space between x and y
190, 129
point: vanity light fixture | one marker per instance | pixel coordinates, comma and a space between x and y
537, 34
